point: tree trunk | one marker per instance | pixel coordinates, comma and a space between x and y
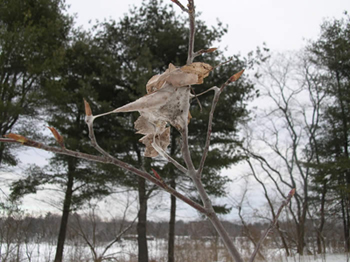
142, 222
171, 237
300, 238
64, 220
320, 239
284, 242
2, 148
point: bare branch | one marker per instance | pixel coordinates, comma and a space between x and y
180, 5
108, 160
169, 158
217, 94
204, 51
191, 13
272, 225
210, 124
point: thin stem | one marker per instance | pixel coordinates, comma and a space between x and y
169, 158
209, 131
191, 13
272, 225
186, 155
180, 5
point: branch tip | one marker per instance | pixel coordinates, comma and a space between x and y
88, 111
292, 192
236, 76
210, 50
18, 138
156, 174
57, 136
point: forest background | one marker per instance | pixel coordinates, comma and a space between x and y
310, 168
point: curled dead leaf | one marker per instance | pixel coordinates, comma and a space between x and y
200, 69
163, 140
167, 101
173, 76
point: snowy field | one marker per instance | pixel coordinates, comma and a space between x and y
187, 250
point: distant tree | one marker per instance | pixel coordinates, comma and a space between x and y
281, 142
33, 35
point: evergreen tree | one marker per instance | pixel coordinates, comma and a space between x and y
33, 35
88, 71
331, 54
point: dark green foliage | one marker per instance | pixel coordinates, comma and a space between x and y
331, 179
332, 55
33, 35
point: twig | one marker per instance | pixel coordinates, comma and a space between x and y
107, 160
118, 237
204, 51
209, 131
272, 225
191, 13
199, 103
180, 5
218, 92
169, 158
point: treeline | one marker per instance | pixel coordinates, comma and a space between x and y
45, 229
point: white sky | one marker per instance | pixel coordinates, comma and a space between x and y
283, 25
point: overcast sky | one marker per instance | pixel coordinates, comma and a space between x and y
282, 25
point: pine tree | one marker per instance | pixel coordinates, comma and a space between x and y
331, 54
33, 35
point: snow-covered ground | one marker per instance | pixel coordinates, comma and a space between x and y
187, 250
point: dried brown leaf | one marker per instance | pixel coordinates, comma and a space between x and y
200, 69
163, 140
173, 76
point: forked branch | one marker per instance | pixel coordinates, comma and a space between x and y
272, 225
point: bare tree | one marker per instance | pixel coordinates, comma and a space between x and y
283, 143
89, 232
167, 103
